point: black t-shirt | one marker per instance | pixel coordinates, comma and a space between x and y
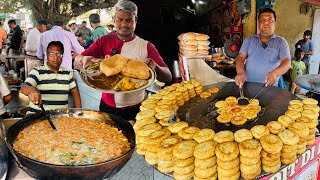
16, 38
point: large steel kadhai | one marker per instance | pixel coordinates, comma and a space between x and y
42, 170
200, 112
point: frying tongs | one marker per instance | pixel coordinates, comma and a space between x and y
47, 116
242, 101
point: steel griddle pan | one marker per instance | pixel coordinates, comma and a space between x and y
274, 102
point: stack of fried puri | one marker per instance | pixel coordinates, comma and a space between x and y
152, 144
293, 114
228, 160
250, 163
188, 132
272, 146
275, 127
289, 149
184, 160
302, 131
194, 44
165, 156
184, 92
197, 86
285, 120
241, 135
191, 90
224, 136
205, 160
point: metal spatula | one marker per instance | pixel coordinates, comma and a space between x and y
47, 116
242, 101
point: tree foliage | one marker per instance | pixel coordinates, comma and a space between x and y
10, 6
64, 10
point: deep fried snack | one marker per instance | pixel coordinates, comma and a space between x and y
275, 127
184, 149
213, 177
251, 175
183, 170
296, 102
224, 118
250, 148
285, 120
148, 107
213, 90
113, 65
250, 168
228, 164
223, 136
164, 114
242, 134
204, 135
288, 137
227, 151
148, 129
205, 163
165, 163
259, 130
238, 120
289, 148
250, 161
288, 155
299, 129
183, 162
235, 176
205, 173
175, 128
145, 114
293, 114
136, 69
313, 107
139, 123
236, 111
310, 114
254, 101
288, 161
221, 104
183, 176
270, 163
205, 95
188, 132
271, 143
270, 156
165, 170
309, 101
271, 169
228, 172
168, 144
295, 107
157, 136
205, 150
249, 114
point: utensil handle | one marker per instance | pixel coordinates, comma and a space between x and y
259, 90
4, 135
241, 92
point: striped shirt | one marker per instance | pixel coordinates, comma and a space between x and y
54, 87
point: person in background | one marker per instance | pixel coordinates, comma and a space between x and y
50, 84
33, 38
306, 45
68, 40
83, 33
111, 28
129, 45
98, 30
17, 39
263, 57
298, 68
6, 97
3, 37
73, 28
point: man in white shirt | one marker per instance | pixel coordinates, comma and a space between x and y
33, 38
73, 27
6, 97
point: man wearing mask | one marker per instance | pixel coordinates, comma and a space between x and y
263, 57
129, 45
33, 38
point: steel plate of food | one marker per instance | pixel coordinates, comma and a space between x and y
118, 74
87, 144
